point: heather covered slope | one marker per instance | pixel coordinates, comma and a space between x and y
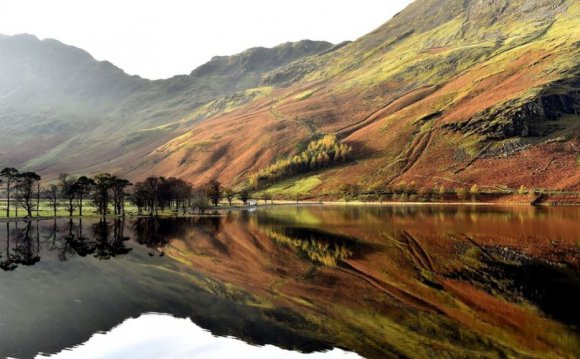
446, 93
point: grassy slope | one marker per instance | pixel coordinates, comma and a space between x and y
375, 92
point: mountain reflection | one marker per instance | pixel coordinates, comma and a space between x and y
397, 281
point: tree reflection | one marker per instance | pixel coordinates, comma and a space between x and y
109, 239
21, 241
155, 233
22, 246
320, 247
6, 261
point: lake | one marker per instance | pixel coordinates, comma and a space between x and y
296, 281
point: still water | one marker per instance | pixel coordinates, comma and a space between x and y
296, 281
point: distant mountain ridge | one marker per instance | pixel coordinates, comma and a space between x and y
64, 101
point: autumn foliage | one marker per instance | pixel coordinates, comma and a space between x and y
319, 154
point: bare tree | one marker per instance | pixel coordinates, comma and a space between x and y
214, 191
230, 194
51, 194
38, 190
8, 176
25, 187
118, 186
68, 190
84, 186
200, 201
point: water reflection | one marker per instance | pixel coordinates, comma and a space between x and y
22, 242
411, 281
21, 247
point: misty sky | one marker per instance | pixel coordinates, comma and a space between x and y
159, 39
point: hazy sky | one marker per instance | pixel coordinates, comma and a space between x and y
158, 39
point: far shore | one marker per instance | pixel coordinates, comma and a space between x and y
218, 211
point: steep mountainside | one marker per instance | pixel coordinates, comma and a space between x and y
62, 110
448, 92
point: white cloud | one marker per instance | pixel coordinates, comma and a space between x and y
158, 39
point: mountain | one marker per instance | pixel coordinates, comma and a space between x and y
448, 92
61, 110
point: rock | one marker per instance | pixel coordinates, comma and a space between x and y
536, 117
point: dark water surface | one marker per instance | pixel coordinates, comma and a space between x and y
404, 281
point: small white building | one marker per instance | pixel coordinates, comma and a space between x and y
252, 203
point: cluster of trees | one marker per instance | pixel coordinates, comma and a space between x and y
319, 153
108, 194
22, 187
158, 193
403, 191
105, 190
410, 191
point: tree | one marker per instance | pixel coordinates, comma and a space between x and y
8, 176
182, 192
38, 191
474, 191
83, 187
200, 200
117, 187
51, 194
411, 187
139, 197
230, 194
101, 195
423, 193
244, 196
152, 186
266, 197
214, 191
26, 186
522, 190
68, 190
350, 190
460, 192
401, 187
442, 192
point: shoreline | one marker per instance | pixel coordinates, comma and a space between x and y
288, 203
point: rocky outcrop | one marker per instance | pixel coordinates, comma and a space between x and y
536, 117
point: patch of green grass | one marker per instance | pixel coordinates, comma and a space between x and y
292, 187
45, 209
304, 95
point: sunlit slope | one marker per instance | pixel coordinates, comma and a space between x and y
446, 92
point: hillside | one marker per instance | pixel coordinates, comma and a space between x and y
447, 92
61, 110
